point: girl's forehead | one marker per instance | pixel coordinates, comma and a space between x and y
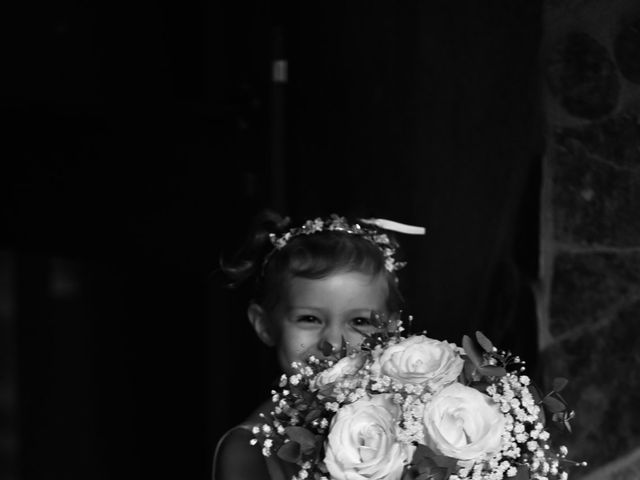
340, 288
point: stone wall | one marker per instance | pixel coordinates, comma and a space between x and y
590, 320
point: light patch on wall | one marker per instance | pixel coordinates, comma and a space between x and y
587, 194
64, 279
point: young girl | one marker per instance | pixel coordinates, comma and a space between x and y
316, 285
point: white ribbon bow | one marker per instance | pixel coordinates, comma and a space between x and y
394, 226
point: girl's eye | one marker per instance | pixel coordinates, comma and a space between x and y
361, 322
308, 319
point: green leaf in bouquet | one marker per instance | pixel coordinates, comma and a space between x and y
567, 416
484, 342
553, 404
434, 473
480, 386
522, 473
564, 418
308, 396
469, 371
303, 437
492, 371
312, 415
559, 383
329, 398
472, 351
424, 459
537, 396
290, 452
423, 467
372, 340
421, 461
368, 343
326, 391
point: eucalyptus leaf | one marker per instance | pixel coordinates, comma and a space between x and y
484, 342
469, 370
427, 456
563, 418
312, 415
471, 350
522, 473
559, 397
537, 396
438, 473
535, 393
566, 417
553, 404
481, 386
302, 436
492, 371
422, 460
559, 383
432, 473
408, 474
290, 452
568, 427
423, 466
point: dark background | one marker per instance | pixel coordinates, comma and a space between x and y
138, 141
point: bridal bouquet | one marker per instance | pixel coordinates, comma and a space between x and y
409, 407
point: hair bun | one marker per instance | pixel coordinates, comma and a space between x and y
247, 261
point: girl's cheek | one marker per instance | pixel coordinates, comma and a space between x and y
354, 339
297, 342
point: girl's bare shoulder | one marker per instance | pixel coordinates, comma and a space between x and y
236, 458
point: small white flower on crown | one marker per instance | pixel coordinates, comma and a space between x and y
369, 230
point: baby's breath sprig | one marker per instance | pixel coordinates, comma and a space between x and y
387, 330
296, 427
526, 452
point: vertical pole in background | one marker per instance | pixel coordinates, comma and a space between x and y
39, 454
9, 453
279, 78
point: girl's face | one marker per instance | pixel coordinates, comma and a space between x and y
326, 309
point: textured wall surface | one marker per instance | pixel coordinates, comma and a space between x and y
590, 326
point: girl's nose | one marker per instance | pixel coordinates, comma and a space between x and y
330, 340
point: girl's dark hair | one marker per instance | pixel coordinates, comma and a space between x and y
308, 256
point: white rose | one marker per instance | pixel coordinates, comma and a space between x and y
463, 423
420, 360
362, 442
342, 368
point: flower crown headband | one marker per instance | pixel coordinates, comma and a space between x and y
368, 228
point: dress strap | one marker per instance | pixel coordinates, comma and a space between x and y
221, 441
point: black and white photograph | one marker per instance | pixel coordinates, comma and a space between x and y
271, 240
